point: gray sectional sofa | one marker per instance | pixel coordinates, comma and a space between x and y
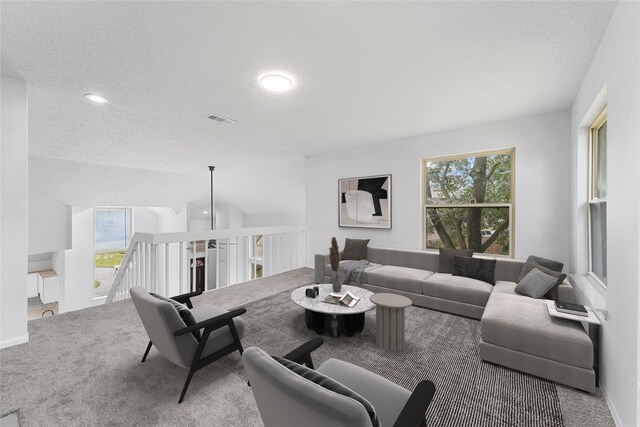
516, 331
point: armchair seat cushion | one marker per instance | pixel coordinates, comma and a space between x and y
219, 338
386, 397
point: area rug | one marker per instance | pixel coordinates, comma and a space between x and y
440, 347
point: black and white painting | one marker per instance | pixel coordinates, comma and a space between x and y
365, 202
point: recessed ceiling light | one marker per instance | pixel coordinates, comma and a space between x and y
276, 82
96, 98
205, 212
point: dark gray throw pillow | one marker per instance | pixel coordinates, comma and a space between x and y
553, 292
185, 314
546, 263
445, 258
536, 284
355, 249
330, 384
475, 268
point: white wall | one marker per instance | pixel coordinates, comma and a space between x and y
76, 291
613, 79
541, 191
251, 220
14, 212
49, 224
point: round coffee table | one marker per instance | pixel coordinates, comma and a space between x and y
390, 320
320, 315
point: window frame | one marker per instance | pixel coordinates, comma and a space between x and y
593, 129
511, 204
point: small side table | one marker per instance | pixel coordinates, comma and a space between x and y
593, 329
390, 320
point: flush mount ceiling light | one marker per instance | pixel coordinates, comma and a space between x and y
96, 98
276, 82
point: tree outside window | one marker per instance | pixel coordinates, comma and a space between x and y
468, 202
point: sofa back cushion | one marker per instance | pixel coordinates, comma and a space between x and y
445, 258
475, 268
404, 258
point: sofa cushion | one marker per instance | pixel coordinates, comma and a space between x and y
505, 287
560, 277
372, 266
524, 324
355, 249
445, 258
475, 268
546, 263
536, 284
399, 278
457, 288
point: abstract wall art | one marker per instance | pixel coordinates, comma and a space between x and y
365, 202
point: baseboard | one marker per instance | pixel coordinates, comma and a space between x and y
612, 408
14, 341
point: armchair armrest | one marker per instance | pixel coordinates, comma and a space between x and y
186, 298
412, 414
213, 323
302, 354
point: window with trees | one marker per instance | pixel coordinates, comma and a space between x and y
598, 199
468, 202
112, 235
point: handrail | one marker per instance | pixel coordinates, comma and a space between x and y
144, 249
197, 236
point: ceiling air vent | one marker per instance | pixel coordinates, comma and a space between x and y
220, 119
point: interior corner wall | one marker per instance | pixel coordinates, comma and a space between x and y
541, 184
615, 73
49, 224
14, 211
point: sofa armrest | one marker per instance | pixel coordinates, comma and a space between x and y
320, 262
565, 292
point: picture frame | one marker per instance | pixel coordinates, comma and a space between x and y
365, 202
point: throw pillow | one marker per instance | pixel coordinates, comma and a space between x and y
535, 284
475, 268
330, 384
355, 249
546, 263
185, 314
553, 292
445, 259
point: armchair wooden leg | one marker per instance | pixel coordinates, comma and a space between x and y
186, 383
236, 337
146, 353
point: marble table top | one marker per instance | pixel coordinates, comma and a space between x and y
318, 305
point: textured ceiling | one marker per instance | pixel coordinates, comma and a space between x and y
365, 72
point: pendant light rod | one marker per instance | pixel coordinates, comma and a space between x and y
213, 226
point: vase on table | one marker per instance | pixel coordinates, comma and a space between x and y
336, 283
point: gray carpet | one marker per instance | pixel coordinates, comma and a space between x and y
83, 368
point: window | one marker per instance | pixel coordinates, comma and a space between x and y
112, 231
598, 199
468, 202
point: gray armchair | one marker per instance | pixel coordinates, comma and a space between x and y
213, 333
291, 398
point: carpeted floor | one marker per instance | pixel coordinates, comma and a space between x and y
83, 368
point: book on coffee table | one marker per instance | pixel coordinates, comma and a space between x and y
569, 308
347, 299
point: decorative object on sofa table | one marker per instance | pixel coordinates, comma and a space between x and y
365, 202
334, 258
